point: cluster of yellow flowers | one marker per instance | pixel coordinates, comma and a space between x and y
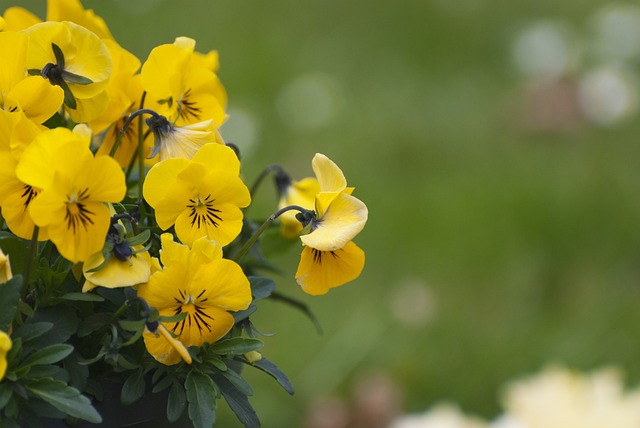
74, 145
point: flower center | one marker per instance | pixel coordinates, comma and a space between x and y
202, 212
189, 108
28, 194
196, 314
77, 213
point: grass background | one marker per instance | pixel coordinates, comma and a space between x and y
508, 248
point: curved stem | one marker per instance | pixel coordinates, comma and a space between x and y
247, 245
127, 123
265, 172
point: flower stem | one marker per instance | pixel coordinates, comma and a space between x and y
126, 125
33, 252
247, 245
262, 176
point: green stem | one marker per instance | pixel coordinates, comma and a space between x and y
127, 123
33, 252
247, 245
262, 176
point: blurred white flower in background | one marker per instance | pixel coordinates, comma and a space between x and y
560, 398
545, 49
616, 30
440, 416
608, 95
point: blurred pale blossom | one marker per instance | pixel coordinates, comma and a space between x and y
616, 29
545, 49
608, 95
440, 416
560, 398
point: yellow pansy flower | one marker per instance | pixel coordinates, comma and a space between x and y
339, 216
329, 258
75, 59
180, 90
201, 196
32, 95
74, 188
5, 347
181, 141
199, 282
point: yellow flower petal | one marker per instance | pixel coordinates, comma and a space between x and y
341, 222
319, 271
117, 273
72, 10
36, 97
165, 348
162, 176
5, 268
329, 176
5, 346
13, 46
17, 18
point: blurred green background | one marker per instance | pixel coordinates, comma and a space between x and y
502, 233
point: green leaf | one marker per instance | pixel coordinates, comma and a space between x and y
18, 251
31, 331
49, 355
201, 395
84, 297
9, 297
5, 394
272, 370
93, 322
65, 398
236, 346
176, 402
238, 402
173, 318
238, 382
64, 319
217, 362
57, 53
75, 79
131, 325
261, 287
133, 388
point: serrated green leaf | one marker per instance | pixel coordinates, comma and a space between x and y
201, 395
261, 287
238, 402
236, 346
273, 371
176, 402
48, 355
83, 297
65, 398
31, 331
133, 388
9, 297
